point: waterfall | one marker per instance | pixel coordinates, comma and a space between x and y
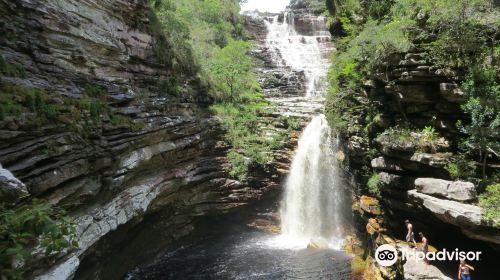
313, 200
306, 53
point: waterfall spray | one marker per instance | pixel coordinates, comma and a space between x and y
311, 207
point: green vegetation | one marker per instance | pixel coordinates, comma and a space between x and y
374, 184
16, 100
425, 140
316, 6
483, 106
40, 107
29, 226
94, 90
208, 41
490, 201
429, 135
251, 135
232, 70
196, 30
461, 168
10, 69
456, 35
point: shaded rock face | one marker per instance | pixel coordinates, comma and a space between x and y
467, 217
173, 165
414, 181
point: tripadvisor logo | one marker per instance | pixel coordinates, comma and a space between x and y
386, 255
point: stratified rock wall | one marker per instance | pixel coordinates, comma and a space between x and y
411, 168
169, 157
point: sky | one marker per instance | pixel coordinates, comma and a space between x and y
272, 6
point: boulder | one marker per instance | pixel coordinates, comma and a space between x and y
317, 243
419, 270
11, 188
452, 212
465, 216
369, 205
399, 182
458, 190
435, 160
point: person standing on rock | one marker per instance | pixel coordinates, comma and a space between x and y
464, 271
410, 236
425, 246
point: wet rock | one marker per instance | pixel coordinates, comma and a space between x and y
317, 244
369, 205
372, 226
265, 226
11, 188
458, 190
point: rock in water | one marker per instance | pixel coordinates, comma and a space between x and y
317, 243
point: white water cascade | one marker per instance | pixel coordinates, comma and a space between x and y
306, 53
313, 200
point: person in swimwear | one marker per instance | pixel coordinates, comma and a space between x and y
464, 271
410, 236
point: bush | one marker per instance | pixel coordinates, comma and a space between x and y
10, 69
94, 90
31, 225
374, 184
169, 87
490, 201
38, 104
461, 168
239, 165
9, 108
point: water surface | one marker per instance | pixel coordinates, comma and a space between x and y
246, 255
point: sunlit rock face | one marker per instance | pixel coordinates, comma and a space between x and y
112, 175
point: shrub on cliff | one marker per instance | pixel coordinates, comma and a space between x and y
490, 201
32, 227
373, 184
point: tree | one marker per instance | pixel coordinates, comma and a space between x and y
232, 70
483, 106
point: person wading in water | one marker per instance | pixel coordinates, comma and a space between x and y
464, 271
410, 236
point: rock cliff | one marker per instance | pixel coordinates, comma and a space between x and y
411, 177
144, 152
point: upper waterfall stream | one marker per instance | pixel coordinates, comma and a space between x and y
302, 52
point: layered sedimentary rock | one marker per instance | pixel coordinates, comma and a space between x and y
411, 167
168, 154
